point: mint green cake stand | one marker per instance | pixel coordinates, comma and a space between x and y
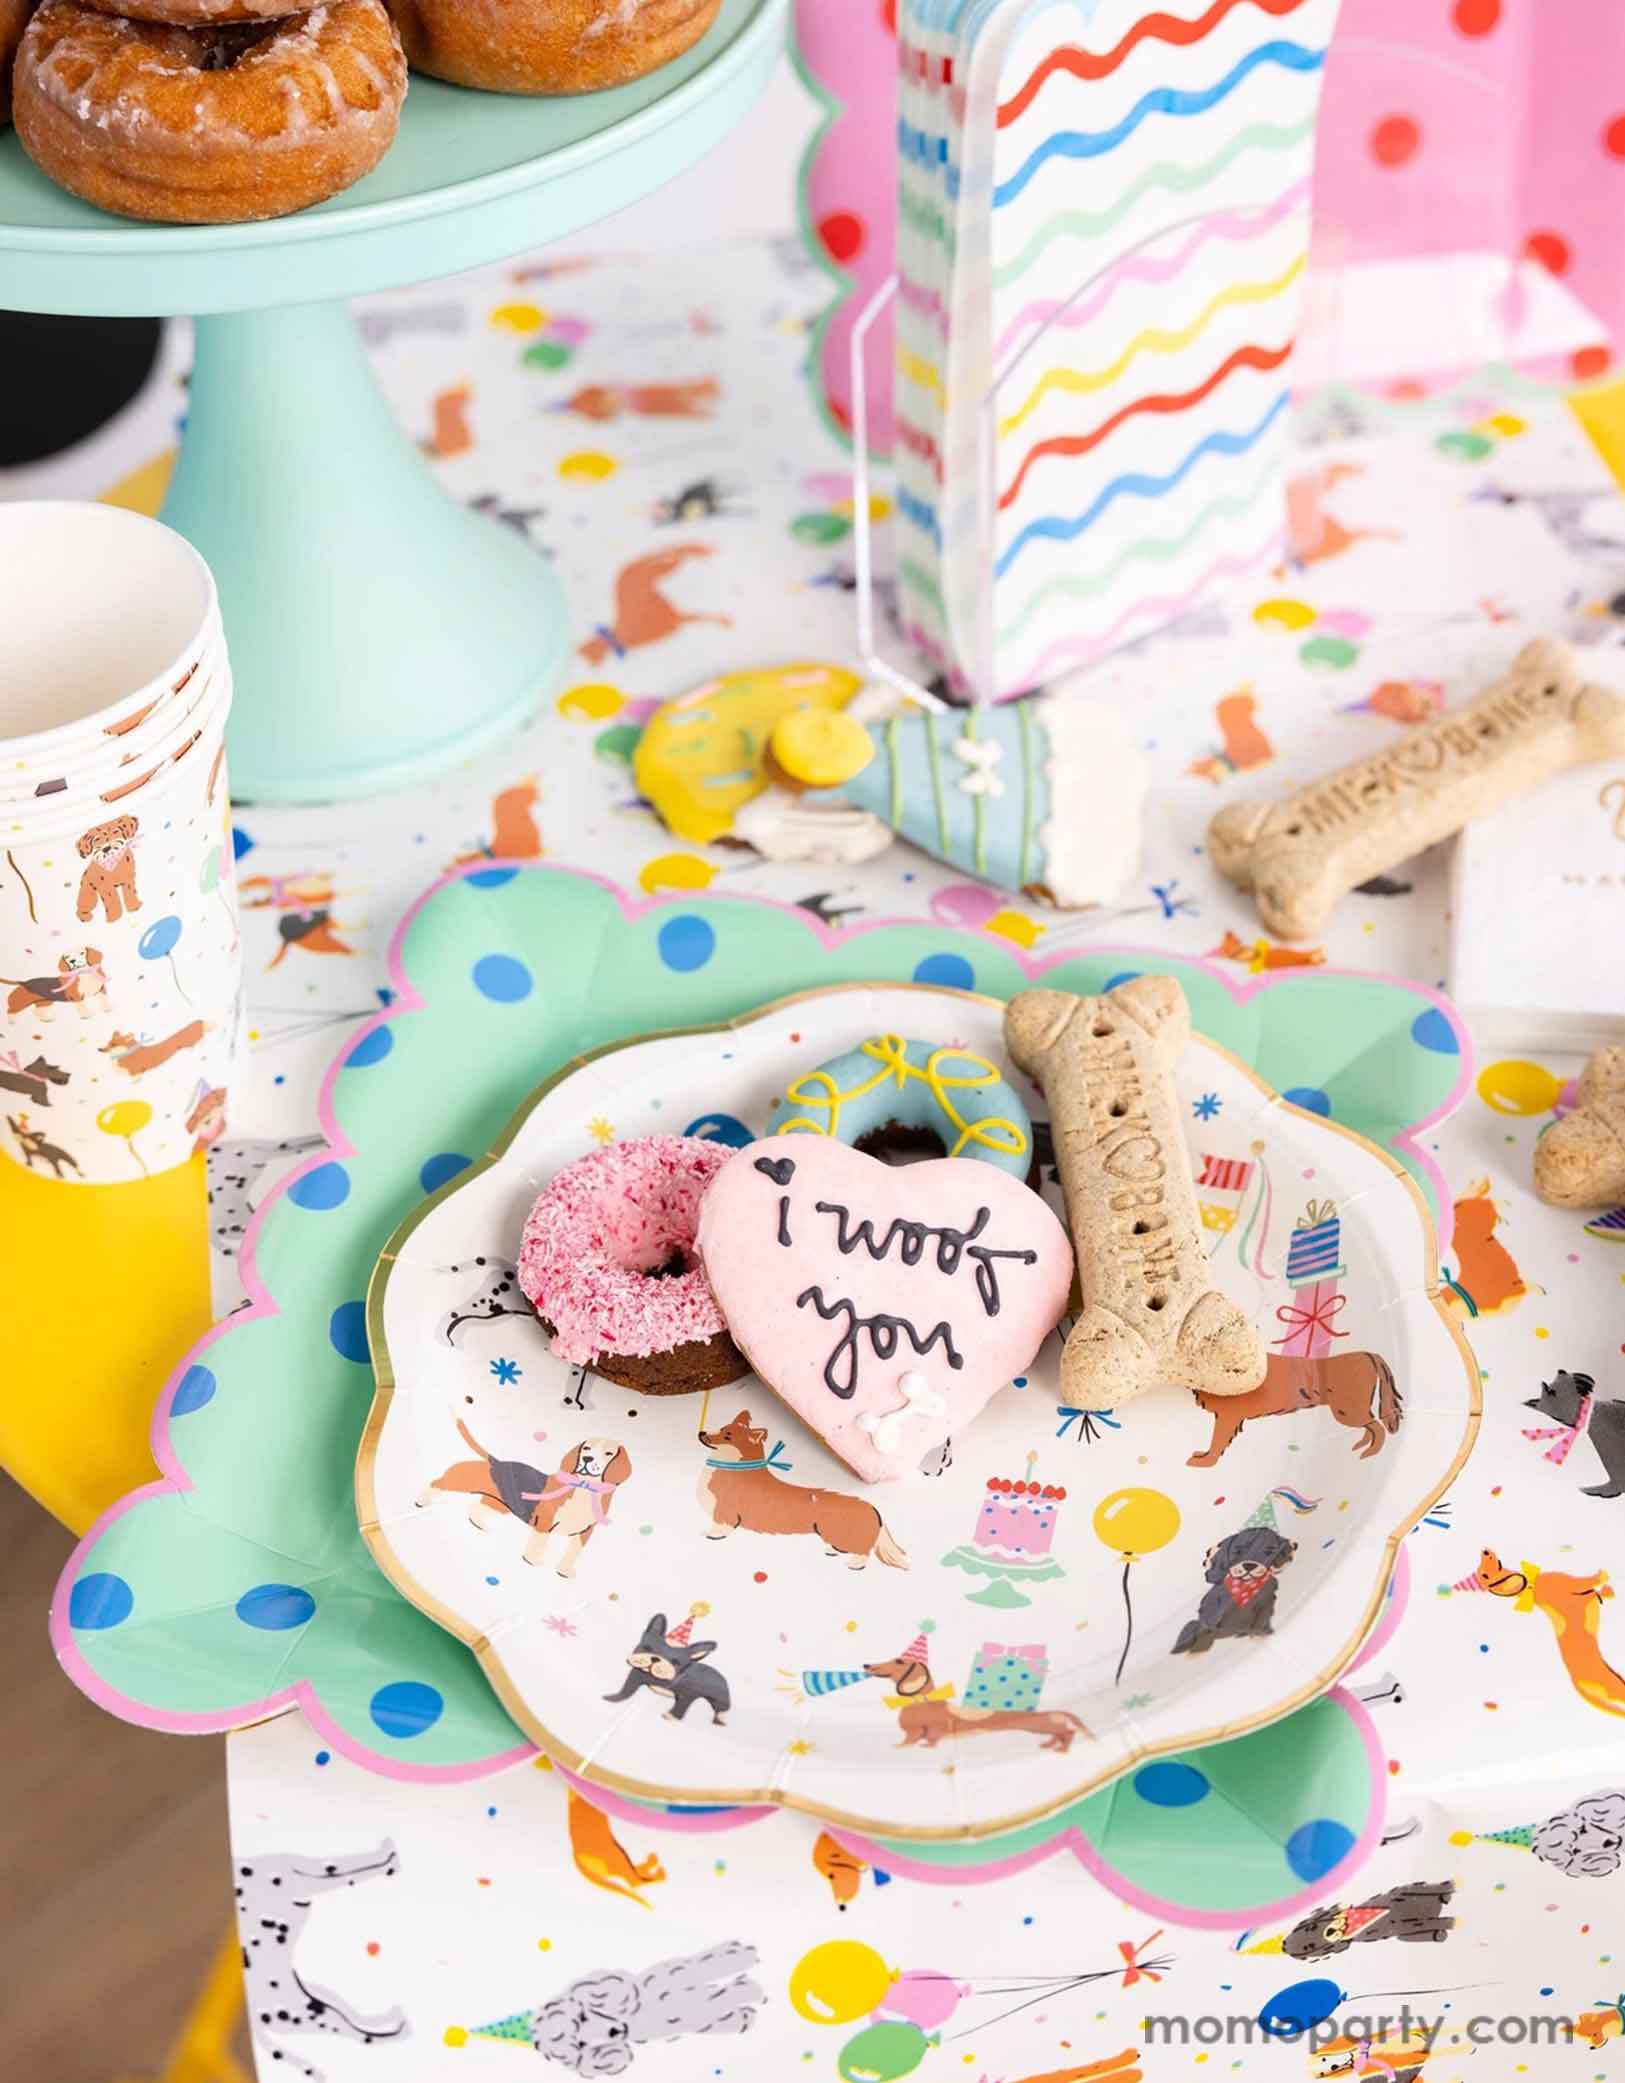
379, 631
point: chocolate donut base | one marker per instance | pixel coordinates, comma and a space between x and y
702, 1363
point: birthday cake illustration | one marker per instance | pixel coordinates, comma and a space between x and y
1015, 1530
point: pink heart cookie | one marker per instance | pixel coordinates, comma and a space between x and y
884, 1303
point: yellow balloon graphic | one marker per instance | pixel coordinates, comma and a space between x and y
126, 1117
1136, 1522
837, 1982
1516, 1086
675, 871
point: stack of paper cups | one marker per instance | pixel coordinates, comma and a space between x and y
120, 963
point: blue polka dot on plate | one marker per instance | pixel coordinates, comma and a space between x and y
503, 979
327, 1186
195, 1388
275, 1607
100, 1600
1123, 976
721, 1128
491, 878
435, 1171
686, 942
1310, 1098
1171, 1783
953, 972
347, 1328
406, 1708
1432, 1030
372, 1048
1315, 1848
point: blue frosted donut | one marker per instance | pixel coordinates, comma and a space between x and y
948, 1093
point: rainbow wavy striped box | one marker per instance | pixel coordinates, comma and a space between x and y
1104, 213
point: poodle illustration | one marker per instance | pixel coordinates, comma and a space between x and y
601, 1858
568, 1505
1573, 1605
1242, 744
603, 402
80, 980
276, 1893
498, 1294
32, 1143
108, 852
1415, 1913
31, 1081
926, 1713
140, 1057
1239, 1603
674, 1664
1317, 536
1358, 1388
596, 2024
643, 614
1585, 1841
741, 1487
1569, 1405
1486, 1280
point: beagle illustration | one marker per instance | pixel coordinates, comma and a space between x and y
568, 1505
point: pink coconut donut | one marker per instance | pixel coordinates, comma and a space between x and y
608, 1260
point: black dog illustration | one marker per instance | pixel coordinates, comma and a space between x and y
672, 1664
33, 1080
1415, 1912
31, 1143
1567, 1400
1241, 1572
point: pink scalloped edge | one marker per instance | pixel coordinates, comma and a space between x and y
895, 1859
173, 1477
1393, 1612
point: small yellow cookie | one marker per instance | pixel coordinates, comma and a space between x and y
821, 748
702, 757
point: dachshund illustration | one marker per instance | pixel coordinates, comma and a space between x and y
1415, 1913
147, 1056
569, 1504
643, 614
314, 931
276, 1893
33, 1081
79, 979
1358, 1388
740, 1487
925, 1713
843, 1870
671, 1663
450, 434
1242, 745
1239, 1603
601, 1858
515, 835
1315, 535
1568, 1402
1260, 955
32, 1143
108, 852
1573, 1605
498, 1294
604, 402
1486, 1282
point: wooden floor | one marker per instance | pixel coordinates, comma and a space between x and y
114, 1882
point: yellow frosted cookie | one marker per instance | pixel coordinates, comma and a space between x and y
821, 748
701, 757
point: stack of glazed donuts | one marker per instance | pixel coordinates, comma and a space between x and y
223, 111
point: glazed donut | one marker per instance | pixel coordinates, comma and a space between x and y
13, 21
202, 14
208, 126
608, 1261
892, 1094
548, 46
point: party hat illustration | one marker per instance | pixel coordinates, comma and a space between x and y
1521, 1839
518, 2029
1471, 1582
684, 1629
1265, 1513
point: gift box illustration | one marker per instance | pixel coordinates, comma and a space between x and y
1007, 1678
1314, 1271
1102, 241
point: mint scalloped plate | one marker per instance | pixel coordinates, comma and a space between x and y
238, 1583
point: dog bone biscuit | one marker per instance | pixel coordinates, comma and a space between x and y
1301, 855
1580, 1160
1151, 1312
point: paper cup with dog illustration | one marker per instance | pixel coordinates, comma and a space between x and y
119, 948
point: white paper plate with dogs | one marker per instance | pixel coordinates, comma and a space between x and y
663, 1602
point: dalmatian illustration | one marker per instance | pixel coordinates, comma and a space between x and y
276, 1893
108, 852
236, 1168
497, 1294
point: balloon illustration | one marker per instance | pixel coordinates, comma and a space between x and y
924, 1997
1519, 1088
839, 1981
1300, 2007
882, 2053
965, 904
127, 1118
158, 942
1134, 1523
